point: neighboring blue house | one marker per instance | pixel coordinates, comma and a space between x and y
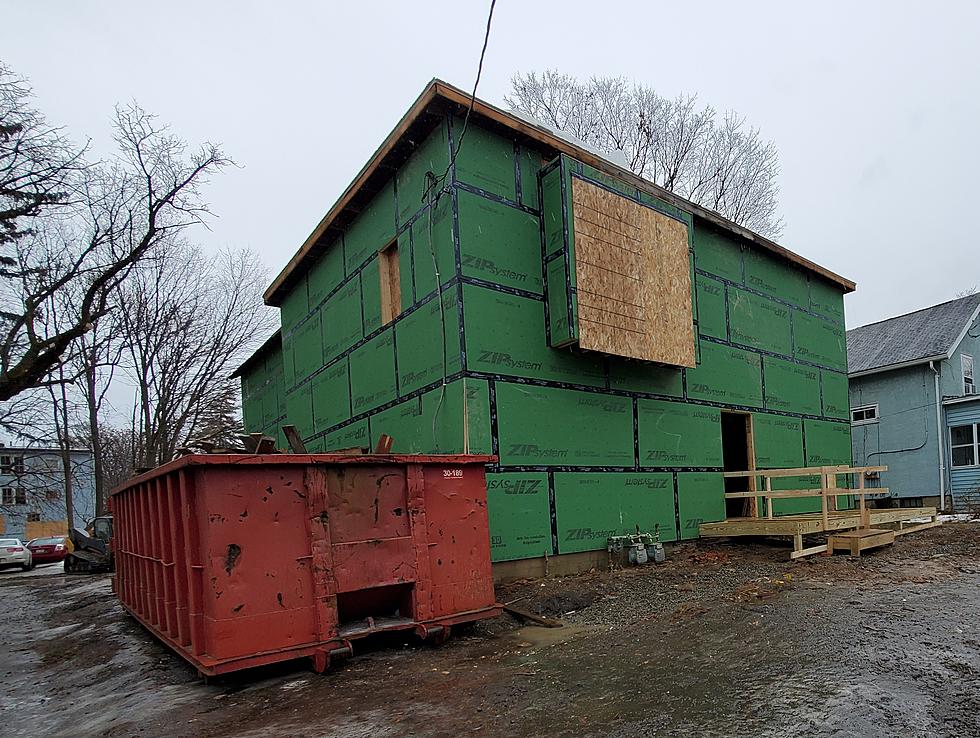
32, 491
914, 403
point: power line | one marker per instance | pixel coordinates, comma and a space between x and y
437, 181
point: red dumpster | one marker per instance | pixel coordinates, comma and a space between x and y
240, 560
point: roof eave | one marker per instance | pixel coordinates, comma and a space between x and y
899, 365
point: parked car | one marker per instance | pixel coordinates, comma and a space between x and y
15, 553
48, 550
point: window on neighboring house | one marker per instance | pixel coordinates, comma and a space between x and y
8, 496
391, 290
52, 494
963, 445
6, 464
33, 517
864, 414
20, 496
966, 362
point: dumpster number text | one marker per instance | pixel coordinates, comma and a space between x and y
452, 472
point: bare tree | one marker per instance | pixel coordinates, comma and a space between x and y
722, 164
73, 233
188, 319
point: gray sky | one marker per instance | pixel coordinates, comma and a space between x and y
874, 106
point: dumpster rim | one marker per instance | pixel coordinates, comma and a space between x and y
319, 459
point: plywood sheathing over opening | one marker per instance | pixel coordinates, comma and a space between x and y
633, 280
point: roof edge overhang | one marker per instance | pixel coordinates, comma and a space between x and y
455, 99
894, 367
958, 400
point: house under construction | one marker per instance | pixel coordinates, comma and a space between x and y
615, 346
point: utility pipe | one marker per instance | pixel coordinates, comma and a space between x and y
941, 438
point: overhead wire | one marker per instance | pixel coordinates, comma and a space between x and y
433, 191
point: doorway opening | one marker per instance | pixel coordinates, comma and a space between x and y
738, 454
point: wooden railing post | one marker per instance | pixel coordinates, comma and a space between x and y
824, 484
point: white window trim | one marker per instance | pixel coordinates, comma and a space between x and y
968, 377
976, 447
858, 409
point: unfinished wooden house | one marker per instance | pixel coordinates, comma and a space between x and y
615, 346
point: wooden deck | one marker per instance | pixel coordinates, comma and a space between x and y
797, 526
808, 523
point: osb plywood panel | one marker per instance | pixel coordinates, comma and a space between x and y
633, 279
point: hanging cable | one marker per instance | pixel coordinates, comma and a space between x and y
433, 191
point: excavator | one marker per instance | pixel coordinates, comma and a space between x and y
92, 548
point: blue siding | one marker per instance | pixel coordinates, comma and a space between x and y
43, 481
964, 482
904, 438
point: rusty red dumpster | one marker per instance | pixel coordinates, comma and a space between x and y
240, 560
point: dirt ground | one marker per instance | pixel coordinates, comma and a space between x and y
721, 640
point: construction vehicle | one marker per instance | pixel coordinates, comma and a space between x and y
92, 548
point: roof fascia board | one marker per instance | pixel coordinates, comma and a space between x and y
964, 398
900, 365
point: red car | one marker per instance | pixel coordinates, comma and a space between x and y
48, 550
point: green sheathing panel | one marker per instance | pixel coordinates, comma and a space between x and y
544, 425
499, 243
421, 348
307, 348
485, 160
791, 387
434, 422
826, 299
441, 243
299, 409
835, 395
712, 316
505, 336
561, 324
331, 396
726, 375
759, 322
530, 162
405, 269
778, 444
678, 434
340, 318
700, 499
591, 507
431, 156
829, 443
819, 341
717, 253
640, 376
371, 230
372, 373
263, 395
371, 297
354, 435
559, 262
326, 274
520, 515
295, 305
777, 278
553, 211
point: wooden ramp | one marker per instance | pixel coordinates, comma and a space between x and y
905, 519
887, 523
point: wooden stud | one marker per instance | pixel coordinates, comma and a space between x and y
296, 444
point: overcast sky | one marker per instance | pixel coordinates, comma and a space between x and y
873, 106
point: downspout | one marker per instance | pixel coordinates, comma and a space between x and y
941, 439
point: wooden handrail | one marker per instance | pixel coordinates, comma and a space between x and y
828, 487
